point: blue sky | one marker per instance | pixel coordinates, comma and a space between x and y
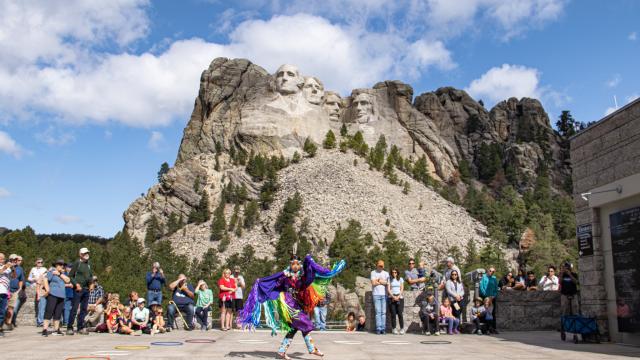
94, 96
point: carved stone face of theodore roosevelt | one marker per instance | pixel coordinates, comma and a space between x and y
332, 106
313, 90
288, 80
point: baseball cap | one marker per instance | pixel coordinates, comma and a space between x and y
84, 251
59, 262
13, 257
140, 300
151, 303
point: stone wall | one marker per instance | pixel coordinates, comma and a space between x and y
528, 310
516, 310
605, 152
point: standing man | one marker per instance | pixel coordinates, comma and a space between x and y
5, 273
183, 294
238, 303
379, 281
489, 289
568, 289
155, 282
81, 276
412, 275
15, 285
36, 278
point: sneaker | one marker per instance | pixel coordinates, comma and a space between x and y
57, 333
9, 327
479, 332
1, 333
83, 332
456, 331
401, 331
428, 333
495, 331
45, 333
70, 332
437, 333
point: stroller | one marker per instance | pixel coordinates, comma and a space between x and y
586, 327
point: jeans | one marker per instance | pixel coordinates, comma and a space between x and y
153, 295
41, 305
320, 317
429, 325
380, 304
186, 310
453, 324
68, 302
396, 308
202, 314
80, 299
3, 308
16, 310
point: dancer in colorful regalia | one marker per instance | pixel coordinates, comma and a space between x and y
287, 299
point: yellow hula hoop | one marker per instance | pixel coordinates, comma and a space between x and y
132, 347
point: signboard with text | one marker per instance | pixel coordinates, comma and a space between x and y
585, 240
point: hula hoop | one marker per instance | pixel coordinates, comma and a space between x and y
199, 341
167, 343
437, 342
132, 347
89, 357
347, 342
396, 342
111, 353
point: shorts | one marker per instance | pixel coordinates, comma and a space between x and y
226, 303
238, 304
13, 300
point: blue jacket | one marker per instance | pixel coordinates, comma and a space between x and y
155, 282
13, 283
488, 286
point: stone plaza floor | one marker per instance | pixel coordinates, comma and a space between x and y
26, 343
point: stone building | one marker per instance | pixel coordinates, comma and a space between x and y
606, 177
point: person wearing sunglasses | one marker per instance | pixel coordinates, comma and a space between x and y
550, 281
36, 277
395, 288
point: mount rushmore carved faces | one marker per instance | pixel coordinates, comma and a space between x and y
332, 105
362, 107
288, 80
313, 90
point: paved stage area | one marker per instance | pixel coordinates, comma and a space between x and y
26, 343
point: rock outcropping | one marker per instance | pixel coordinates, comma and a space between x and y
241, 108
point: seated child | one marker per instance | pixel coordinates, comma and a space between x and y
477, 314
351, 322
446, 315
157, 320
429, 315
124, 321
362, 323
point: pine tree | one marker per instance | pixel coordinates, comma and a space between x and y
310, 147
164, 168
296, 157
224, 243
284, 245
219, 223
343, 130
329, 140
421, 171
566, 124
406, 188
201, 212
289, 212
206, 267
234, 217
153, 232
251, 214
376, 155
268, 189
384, 210
489, 161
216, 167
174, 223
343, 146
196, 184
238, 230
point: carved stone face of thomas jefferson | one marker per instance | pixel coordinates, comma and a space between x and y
362, 107
313, 90
332, 106
288, 80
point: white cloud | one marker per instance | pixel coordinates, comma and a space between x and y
4, 193
633, 36
156, 140
9, 146
149, 90
614, 81
632, 97
627, 99
55, 137
609, 110
500, 83
67, 219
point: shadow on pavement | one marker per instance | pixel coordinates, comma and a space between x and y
551, 340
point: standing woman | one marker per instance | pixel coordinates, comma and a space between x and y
54, 284
227, 294
455, 291
395, 287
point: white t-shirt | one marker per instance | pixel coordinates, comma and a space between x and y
379, 289
4, 281
239, 281
551, 283
36, 273
140, 314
